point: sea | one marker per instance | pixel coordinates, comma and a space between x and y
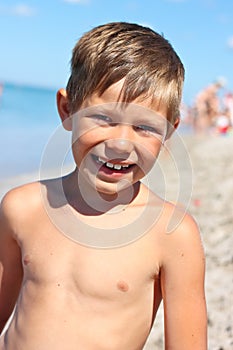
28, 122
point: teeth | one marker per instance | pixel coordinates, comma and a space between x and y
117, 166
101, 160
111, 165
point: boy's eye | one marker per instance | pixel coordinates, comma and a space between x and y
102, 119
148, 129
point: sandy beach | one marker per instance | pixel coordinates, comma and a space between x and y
205, 169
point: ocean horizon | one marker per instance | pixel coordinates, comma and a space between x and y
28, 118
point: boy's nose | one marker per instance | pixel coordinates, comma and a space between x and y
121, 140
120, 145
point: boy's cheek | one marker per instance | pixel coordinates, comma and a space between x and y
87, 133
148, 159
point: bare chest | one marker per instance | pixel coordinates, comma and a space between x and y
51, 259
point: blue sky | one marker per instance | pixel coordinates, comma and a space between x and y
37, 36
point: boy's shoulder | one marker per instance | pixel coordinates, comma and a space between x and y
178, 221
20, 200
173, 216
171, 219
28, 199
22, 193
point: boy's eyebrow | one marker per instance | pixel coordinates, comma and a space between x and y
137, 114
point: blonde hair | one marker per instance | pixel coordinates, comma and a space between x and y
145, 59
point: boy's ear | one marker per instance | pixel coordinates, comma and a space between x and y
172, 128
63, 109
176, 124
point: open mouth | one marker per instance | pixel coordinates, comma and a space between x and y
115, 165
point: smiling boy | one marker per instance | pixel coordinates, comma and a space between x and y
86, 258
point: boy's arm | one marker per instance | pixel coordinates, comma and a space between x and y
10, 262
182, 282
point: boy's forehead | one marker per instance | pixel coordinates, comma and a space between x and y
111, 100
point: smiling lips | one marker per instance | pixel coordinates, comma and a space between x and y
112, 165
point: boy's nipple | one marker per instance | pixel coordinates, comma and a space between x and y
26, 259
122, 286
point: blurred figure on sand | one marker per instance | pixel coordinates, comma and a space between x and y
228, 103
222, 123
207, 106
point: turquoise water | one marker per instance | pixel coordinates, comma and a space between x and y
28, 117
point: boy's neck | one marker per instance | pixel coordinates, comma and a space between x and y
87, 201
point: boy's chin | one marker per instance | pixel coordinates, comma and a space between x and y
112, 189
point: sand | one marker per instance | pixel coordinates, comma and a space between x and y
204, 165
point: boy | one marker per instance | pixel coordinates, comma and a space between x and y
79, 282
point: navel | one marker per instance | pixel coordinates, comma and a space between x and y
122, 286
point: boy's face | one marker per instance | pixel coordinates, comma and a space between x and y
115, 144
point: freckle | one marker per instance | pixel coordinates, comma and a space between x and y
58, 284
123, 286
